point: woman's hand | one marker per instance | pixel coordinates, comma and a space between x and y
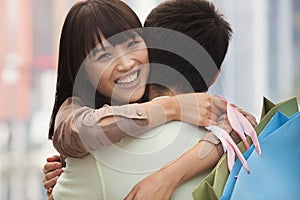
200, 109
52, 170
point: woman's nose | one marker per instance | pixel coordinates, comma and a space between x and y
125, 63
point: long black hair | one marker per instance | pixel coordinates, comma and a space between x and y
84, 24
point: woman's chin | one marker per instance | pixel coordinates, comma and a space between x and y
138, 94
127, 97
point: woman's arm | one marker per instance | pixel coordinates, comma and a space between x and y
80, 130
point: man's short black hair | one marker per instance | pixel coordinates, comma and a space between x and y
199, 20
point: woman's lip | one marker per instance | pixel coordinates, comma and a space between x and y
131, 84
128, 74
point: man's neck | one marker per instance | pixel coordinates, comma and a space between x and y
156, 91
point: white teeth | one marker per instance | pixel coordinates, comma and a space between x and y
128, 79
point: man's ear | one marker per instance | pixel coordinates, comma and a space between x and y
216, 76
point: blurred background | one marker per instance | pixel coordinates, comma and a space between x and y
262, 61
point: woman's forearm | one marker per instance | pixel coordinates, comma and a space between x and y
80, 129
200, 109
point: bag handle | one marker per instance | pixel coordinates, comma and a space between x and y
241, 126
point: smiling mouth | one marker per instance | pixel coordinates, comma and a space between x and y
129, 79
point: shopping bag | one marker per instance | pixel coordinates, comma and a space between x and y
212, 186
287, 107
275, 174
277, 121
242, 128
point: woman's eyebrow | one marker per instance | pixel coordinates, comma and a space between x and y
97, 50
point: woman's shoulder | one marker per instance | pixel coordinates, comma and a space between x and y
69, 105
73, 100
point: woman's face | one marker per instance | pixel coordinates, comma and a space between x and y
119, 72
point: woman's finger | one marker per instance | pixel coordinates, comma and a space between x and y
219, 105
51, 166
54, 158
50, 197
50, 183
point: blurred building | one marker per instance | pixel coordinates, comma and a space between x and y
29, 31
261, 57
261, 60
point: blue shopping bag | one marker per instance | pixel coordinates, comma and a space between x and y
274, 175
212, 187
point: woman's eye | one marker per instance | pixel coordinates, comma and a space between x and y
104, 57
133, 43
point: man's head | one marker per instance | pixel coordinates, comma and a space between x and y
199, 20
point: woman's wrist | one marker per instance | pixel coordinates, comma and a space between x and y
172, 108
162, 110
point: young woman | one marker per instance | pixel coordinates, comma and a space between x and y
96, 71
